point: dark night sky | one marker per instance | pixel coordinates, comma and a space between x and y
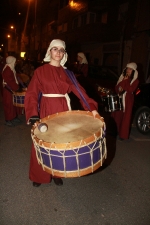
9, 10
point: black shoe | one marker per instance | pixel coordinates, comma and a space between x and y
16, 120
121, 139
58, 181
36, 184
9, 123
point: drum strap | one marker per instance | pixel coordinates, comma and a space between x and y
59, 95
5, 85
20, 82
74, 81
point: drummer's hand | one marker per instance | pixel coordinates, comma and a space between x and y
33, 119
24, 89
120, 89
77, 75
94, 112
126, 77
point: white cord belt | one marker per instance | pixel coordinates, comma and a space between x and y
4, 83
59, 95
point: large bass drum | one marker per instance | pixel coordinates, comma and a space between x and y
74, 144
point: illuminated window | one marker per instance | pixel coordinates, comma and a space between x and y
22, 54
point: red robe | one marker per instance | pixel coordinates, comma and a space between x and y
49, 79
2, 64
10, 110
81, 70
123, 118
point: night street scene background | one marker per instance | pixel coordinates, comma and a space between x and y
111, 33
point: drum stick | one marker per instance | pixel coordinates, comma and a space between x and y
43, 127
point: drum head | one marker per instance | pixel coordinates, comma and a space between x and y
70, 126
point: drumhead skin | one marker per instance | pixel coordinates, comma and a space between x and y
63, 128
74, 144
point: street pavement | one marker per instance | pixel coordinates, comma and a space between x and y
116, 194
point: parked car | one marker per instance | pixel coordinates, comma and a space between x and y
103, 76
141, 108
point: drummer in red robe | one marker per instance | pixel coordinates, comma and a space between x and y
2, 64
52, 83
10, 85
126, 86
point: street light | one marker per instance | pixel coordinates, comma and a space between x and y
14, 38
13, 29
8, 36
12, 44
76, 6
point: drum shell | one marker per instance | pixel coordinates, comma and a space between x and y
112, 103
72, 159
18, 99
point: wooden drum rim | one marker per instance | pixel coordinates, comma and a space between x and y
19, 93
72, 145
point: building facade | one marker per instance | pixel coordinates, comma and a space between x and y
110, 33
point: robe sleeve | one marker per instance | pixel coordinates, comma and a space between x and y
9, 78
84, 70
32, 97
126, 86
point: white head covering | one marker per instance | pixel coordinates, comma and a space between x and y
132, 66
56, 43
10, 61
84, 60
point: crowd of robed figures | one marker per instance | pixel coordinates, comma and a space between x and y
52, 79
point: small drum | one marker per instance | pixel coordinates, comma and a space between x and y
73, 146
112, 103
24, 77
18, 99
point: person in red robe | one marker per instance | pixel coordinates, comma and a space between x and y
2, 64
126, 86
10, 85
81, 68
51, 79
